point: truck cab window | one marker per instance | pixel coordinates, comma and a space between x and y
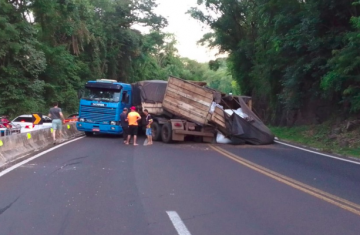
117, 97
125, 97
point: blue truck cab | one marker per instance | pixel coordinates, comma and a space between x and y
101, 105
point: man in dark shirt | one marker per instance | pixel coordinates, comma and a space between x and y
56, 116
124, 123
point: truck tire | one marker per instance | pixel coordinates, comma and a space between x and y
166, 133
88, 133
156, 131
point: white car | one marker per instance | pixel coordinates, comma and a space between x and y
25, 121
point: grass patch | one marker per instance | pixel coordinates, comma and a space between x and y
323, 137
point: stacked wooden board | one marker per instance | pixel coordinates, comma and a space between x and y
196, 103
188, 100
218, 117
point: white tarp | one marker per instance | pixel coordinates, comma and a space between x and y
213, 106
221, 139
239, 112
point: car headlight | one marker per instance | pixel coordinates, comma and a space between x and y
82, 120
113, 123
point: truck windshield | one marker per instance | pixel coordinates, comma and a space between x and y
102, 95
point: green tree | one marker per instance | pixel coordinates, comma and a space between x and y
293, 57
50, 48
342, 82
21, 62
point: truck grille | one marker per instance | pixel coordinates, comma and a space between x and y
98, 114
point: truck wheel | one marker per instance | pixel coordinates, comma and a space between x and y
156, 131
87, 133
166, 133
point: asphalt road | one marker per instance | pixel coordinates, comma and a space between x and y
100, 186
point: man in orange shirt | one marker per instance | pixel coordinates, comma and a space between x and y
133, 118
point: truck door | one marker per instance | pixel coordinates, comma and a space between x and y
125, 99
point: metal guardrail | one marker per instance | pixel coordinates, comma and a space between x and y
17, 145
5, 132
15, 131
8, 131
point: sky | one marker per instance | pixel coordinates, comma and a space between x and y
186, 29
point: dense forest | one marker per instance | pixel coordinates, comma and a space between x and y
50, 48
299, 60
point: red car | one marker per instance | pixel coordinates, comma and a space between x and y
72, 118
8, 128
5, 121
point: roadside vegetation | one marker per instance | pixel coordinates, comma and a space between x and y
299, 60
328, 137
50, 48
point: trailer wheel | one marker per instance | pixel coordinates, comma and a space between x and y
156, 131
166, 133
88, 133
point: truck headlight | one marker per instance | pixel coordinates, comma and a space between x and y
82, 120
113, 123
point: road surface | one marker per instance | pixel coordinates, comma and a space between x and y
98, 185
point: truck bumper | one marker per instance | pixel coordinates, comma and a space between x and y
98, 128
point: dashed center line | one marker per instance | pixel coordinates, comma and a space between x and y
178, 223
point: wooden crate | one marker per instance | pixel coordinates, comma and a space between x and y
187, 100
218, 117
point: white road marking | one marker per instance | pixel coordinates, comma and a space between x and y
178, 223
36, 156
322, 154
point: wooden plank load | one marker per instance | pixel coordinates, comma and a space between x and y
188, 100
218, 117
186, 108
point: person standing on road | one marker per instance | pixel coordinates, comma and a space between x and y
149, 121
56, 115
133, 118
124, 123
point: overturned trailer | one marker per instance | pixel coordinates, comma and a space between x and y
184, 108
